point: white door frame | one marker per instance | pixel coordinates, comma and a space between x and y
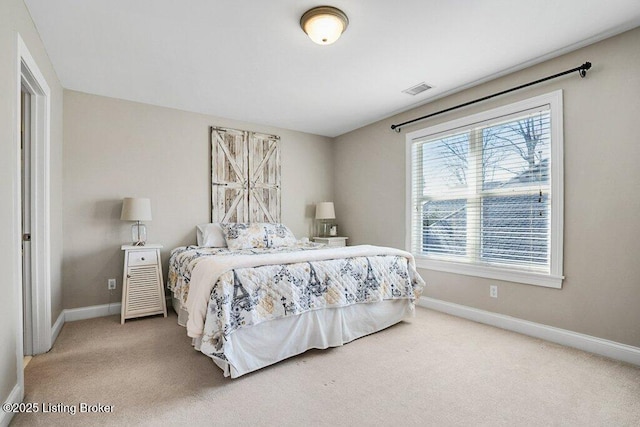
27, 317
29, 75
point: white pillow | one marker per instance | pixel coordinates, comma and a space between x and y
210, 235
257, 235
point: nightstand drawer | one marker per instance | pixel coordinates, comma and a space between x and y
333, 242
143, 257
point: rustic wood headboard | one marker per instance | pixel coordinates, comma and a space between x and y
245, 176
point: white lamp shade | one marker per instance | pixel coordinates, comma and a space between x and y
136, 209
325, 210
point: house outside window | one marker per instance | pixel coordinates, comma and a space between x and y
485, 193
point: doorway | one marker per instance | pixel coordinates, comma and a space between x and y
32, 201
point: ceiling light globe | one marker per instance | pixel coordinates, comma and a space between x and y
324, 25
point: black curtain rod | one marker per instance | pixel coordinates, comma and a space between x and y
582, 70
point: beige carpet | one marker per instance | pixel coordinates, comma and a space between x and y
434, 369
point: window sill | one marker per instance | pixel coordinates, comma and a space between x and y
489, 272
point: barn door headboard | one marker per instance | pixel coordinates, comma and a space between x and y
245, 176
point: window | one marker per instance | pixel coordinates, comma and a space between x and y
485, 193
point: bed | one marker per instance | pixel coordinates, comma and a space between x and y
251, 295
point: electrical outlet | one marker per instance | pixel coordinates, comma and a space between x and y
493, 291
111, 284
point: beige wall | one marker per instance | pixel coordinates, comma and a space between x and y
601, 293
115, 148
14, 19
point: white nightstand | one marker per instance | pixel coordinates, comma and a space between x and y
331, 241
142, 285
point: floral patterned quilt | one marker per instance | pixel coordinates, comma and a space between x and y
184, 259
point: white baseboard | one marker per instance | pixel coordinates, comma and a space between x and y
14, 397
612, 349
82, 313
57, 327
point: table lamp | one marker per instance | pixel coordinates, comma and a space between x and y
137, 209
325, 212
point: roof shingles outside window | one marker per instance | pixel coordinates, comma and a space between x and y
444, 219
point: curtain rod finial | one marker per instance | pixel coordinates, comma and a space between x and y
583, 69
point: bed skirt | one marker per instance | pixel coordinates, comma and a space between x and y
261, 345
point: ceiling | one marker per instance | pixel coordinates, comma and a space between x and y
249, 60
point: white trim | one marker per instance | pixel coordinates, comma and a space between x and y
408, 189
557, 187
612, 349
93, 311
57, 327
82, 313
15, 396
555, 277
491, 272
25, 185
16, 228
29, 73
550, 98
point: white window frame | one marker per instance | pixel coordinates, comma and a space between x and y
555, 276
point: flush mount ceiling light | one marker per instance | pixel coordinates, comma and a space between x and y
324, 24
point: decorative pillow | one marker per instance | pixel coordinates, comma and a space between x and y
257, 235
210, 235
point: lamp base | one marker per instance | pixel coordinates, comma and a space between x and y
139, 234
324, 228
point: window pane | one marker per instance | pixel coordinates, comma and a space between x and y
516, 153
515, 229
445, 165
444, 227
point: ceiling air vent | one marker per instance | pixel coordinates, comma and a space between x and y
419, 88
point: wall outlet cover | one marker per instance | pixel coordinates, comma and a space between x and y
493, 291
